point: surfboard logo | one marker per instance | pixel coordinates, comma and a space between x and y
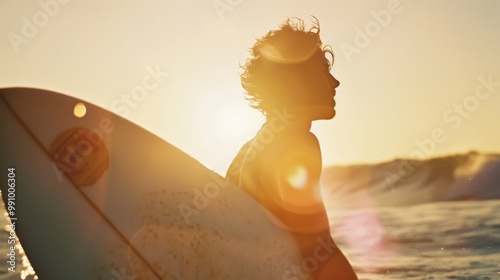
81, 155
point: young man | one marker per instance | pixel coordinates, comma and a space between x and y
288, 79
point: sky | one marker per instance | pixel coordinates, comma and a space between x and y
417, 78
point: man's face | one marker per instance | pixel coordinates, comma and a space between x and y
315, 87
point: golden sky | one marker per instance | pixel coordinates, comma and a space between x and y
417, 78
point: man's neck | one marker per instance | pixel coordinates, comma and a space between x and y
302, 124
296, 123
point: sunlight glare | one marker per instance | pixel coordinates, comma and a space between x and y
231, 123
298, 177
220, 123
80, 110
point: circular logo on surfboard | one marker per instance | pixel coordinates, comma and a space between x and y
81, 155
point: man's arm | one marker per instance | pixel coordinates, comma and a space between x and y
301, 208
295, 195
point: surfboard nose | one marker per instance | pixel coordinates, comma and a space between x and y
48, 209
70, 131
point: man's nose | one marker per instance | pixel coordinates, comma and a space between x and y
333, 82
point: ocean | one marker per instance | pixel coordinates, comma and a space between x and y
443, 240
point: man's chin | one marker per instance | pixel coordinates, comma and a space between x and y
331, 115
327, 115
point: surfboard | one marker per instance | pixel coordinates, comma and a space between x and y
98, 197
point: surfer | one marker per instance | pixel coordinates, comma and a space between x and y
288, 79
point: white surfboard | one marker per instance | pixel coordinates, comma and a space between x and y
98, 197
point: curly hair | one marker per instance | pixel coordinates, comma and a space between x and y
276, 55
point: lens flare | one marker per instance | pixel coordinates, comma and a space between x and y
298, 177
80, 110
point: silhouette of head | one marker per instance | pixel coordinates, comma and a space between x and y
289, 68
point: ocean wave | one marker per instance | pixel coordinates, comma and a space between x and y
471, 176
